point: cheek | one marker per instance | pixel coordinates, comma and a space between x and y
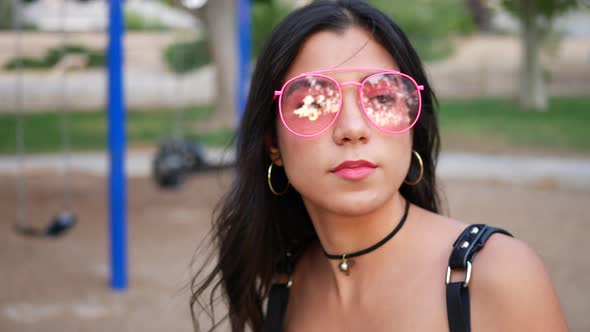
297, 154
406, 148
397, 161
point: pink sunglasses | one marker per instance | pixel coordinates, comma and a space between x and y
309, 103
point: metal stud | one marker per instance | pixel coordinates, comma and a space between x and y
465, 244
474, 230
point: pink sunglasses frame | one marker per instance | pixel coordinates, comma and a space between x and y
319, 73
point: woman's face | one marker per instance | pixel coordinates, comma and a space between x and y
317, 166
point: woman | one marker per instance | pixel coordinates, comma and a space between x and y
335, 203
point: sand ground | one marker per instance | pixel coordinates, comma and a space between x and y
62, 285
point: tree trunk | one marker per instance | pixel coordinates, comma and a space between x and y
533, 95
220, 17
8, 14
481, 14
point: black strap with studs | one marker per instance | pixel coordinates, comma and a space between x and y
471, 240
276, 308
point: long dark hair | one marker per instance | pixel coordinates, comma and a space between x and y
254, 229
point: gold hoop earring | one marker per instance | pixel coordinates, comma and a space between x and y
415, 182
272, 189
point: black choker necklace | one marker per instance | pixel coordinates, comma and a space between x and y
346, 263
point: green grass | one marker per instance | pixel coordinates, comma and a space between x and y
88, 129
498, 124
474, 124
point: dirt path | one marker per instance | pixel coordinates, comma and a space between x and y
62, 285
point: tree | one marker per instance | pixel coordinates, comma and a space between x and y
480, 13
218, 17
6, 14
536, 20
429, 24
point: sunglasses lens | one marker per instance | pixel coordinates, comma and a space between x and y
309, 104
392, 101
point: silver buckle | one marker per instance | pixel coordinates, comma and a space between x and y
290, 282
467, 277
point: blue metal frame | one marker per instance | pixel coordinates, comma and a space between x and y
116, 141
116, 126
244, 33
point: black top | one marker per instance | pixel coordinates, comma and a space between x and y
465, 248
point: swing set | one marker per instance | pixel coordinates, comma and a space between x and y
66, 218
166, 171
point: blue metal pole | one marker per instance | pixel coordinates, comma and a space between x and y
116, 132
244, 34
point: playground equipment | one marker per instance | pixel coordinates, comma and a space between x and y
175, 160
177, 157
116, 140
65, 219
117, 144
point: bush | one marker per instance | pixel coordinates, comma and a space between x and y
95, 58
182, 57
136, 22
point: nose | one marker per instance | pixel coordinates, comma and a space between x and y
352, 125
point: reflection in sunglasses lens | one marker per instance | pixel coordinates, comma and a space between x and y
390, 101
309, 104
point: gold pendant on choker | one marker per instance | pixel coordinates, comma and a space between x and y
345, 265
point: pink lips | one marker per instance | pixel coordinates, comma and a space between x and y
354, 170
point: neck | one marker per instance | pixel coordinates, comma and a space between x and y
340, 234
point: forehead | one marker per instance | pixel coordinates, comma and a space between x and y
352, 48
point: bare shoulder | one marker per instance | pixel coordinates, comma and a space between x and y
511, 289
510, 280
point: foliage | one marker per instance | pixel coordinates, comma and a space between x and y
546, 8
6, 14
429, 24
7, 19
266, 14
94, 58
137, 22
536, 18
184, 56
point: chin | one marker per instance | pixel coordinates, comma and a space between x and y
355, 211
356, 204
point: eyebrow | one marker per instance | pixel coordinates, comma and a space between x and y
365, 77
298, 82
302, 81
295, 85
